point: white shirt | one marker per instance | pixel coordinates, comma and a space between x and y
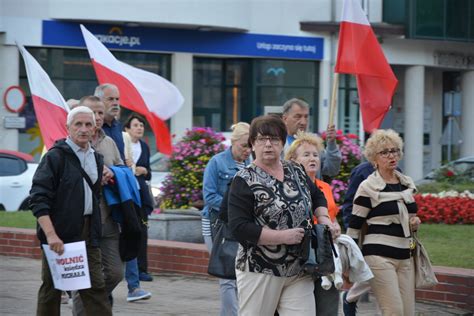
87, 159
136, 151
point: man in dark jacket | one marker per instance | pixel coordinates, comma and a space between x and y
64, 198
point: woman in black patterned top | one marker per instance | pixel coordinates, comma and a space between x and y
385, 203
266, 211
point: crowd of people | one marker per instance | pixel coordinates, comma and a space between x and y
269, 181
266, 213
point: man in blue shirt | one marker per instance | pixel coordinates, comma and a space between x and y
109, 94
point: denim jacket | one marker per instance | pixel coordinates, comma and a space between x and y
218, 173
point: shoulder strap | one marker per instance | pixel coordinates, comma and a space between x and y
84, 173
297, 178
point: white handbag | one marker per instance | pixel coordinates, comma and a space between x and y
424, 275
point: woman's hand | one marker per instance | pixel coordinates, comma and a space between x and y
335, 229
292, 236
415, 222
140, 171
129, 162
331, 133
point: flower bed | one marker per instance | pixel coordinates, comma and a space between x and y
446, 207
351, 157
183, 186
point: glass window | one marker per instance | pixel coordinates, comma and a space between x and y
280, 80
429, 18
285, 72
457, 19
207, 81
442, 19
471, 24
235, 70
348, 108
230, 90
394, 11
218, 96
11, 166
233, 102
278, 95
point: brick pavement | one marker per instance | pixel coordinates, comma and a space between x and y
173, 294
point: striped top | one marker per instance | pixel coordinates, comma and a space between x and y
385, 233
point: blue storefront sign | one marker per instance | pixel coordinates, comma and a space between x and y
191, 41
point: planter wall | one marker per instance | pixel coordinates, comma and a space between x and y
177, 225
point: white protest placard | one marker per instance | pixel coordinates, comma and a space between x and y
70, 271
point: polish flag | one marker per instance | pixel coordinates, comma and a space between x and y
50, 108
141, 91
359, 53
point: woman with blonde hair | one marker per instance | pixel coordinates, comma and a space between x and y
384, 203
306, 150
218, 173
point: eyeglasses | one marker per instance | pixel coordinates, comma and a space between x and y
262, 140
387, 152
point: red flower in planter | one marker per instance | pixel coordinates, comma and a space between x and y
449, 173
448, 210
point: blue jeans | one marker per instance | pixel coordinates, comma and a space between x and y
229, 297
131, 275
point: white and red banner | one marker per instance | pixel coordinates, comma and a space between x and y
69, 271
359, 53
50, 108
141, 91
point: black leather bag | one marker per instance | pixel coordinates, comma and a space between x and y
317, 247
322, 245
224, 251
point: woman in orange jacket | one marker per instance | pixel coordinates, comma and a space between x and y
306, 150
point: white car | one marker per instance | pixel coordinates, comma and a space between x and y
461, 167
159, 165
16, 175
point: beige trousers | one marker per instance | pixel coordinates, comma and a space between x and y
393, 285
262, 294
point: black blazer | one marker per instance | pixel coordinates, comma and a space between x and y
144, 161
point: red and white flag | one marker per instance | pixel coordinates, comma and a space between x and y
359, 53
50, 108
141, 91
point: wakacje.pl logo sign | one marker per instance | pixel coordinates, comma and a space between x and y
116, 37
67, 34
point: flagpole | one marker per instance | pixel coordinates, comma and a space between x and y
332, 107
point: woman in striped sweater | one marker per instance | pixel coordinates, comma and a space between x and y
384, 204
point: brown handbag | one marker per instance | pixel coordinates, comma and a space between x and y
424, 274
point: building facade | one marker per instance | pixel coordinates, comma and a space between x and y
236, 59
